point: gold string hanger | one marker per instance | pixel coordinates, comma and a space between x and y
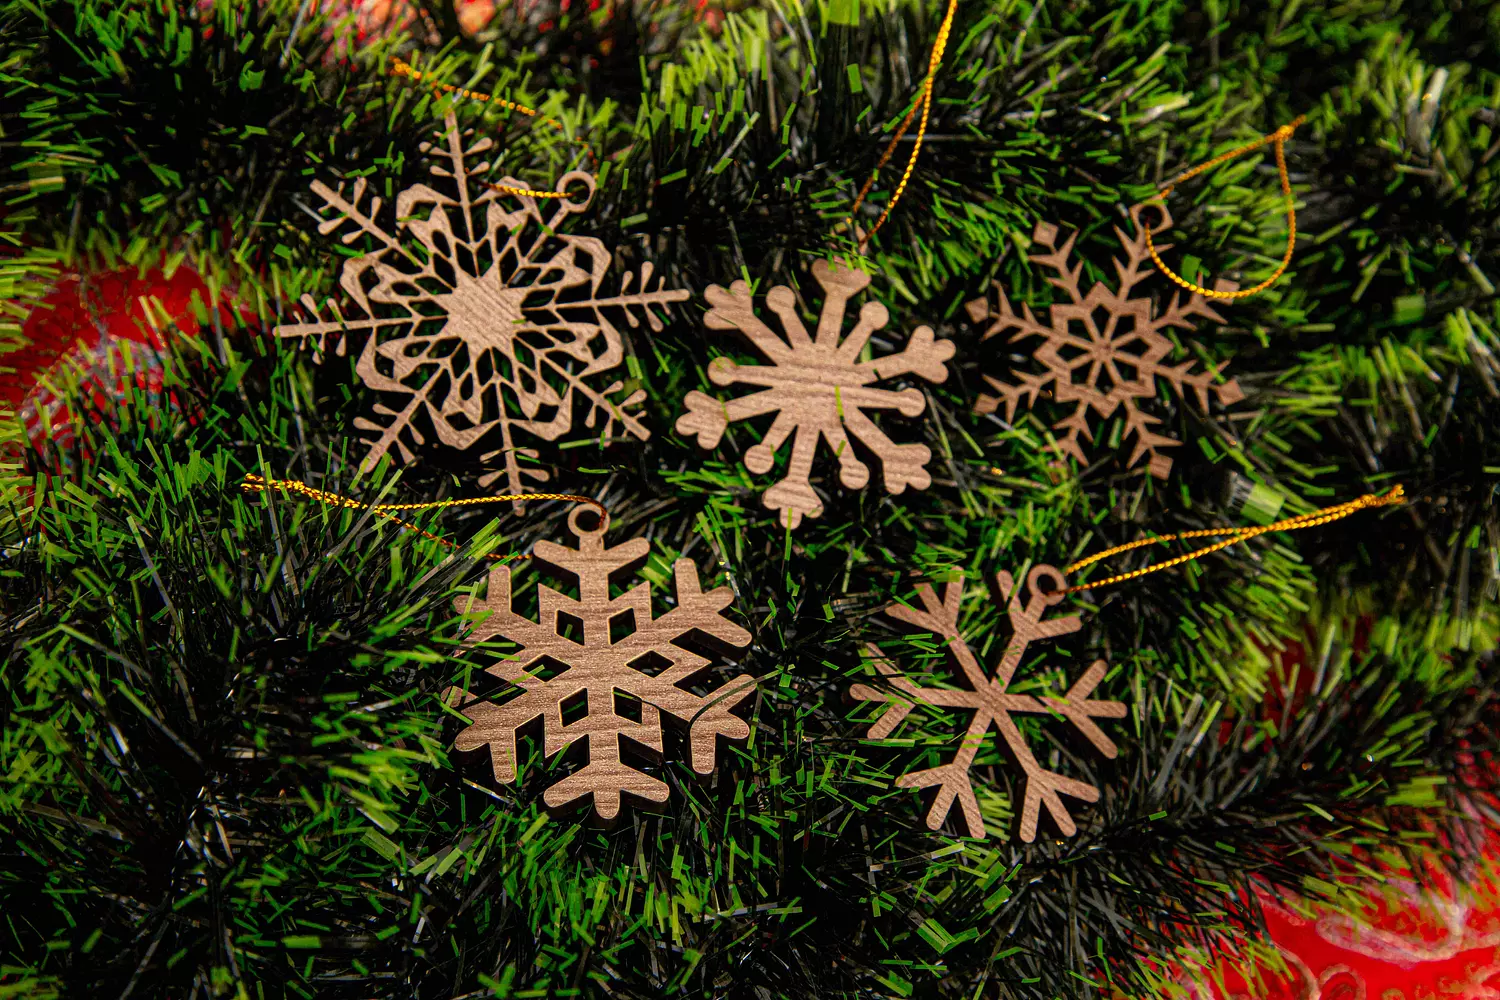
1277, 140
401, 68
256, 484
1327, 515
924, 103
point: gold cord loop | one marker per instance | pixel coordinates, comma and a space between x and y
1277, 140
256, 484
1310, 520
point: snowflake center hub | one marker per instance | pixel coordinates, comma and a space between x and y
482, 312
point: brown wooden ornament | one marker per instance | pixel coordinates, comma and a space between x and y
992, 704
818, 388
597, 672
480, 312
1103, 351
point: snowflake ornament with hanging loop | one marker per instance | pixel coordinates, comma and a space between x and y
600, 671
480, 312
818, 388
1103, 351
992, 702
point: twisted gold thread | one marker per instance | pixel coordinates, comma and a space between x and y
938, 46
255, 484
1309, 520
1277, 140
402, 68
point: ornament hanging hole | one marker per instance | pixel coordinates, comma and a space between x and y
568, 186
588, 522
1047, 583
1161, 221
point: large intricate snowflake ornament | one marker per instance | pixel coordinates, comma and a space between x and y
579, 684
992, 703
479, 311
1104, 350
818, 387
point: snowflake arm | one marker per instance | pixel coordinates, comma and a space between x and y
1078, 429
1026, 622
495, 617
1202, 383
1081, 710
707, 418
953, 780
347, 210
924, 356
901, 697
1138, 425
734, 310
899, 694
793, 495
696, 609
1042, 786
497, 725
902, 464
1023, 388
1064, 279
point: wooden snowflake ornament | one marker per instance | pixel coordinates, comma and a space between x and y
818, 387
1103, 351
991, 702
479, 313
601, 674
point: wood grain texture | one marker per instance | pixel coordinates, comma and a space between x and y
992, 703
1103, 350
603, 675
818, 388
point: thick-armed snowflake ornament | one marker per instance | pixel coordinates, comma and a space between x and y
1103, 350
559, 674
991, 702
479, 311
818, 387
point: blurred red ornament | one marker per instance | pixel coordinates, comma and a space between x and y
1434, 941
1414, 943
92, 333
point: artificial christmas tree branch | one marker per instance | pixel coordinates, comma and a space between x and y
227, 767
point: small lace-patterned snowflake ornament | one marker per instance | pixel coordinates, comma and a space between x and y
818, 387
992, 703
480, 312
1103, 351
597, 669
